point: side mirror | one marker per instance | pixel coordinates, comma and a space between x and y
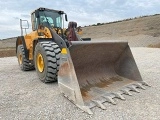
66, 17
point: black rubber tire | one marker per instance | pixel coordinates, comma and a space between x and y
26, 65
50, 52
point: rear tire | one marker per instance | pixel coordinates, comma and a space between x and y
46, 58
24, 63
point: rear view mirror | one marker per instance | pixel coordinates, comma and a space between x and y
66, 17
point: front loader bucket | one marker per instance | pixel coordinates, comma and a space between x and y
92, 73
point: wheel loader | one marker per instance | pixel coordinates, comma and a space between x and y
89, 73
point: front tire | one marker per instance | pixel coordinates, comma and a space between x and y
46, 58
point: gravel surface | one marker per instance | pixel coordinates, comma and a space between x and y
24, 97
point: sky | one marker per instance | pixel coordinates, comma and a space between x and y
84, 12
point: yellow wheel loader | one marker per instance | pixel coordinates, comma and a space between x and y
88, 73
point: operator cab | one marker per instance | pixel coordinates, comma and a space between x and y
47, 18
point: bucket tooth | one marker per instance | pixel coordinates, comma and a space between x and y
110, 100
85, 108
118, 95
99, 104
126, 92
134, 89
140, 86
146, 84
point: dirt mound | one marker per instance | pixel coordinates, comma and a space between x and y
8, 47
7, 52
8, 43
154, 46
140, 32
137, 40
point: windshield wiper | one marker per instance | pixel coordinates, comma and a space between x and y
47, 20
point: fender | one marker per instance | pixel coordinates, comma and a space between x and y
37, 40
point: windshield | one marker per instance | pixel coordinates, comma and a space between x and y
50, 19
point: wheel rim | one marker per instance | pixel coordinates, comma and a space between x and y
40, 62
20, 59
